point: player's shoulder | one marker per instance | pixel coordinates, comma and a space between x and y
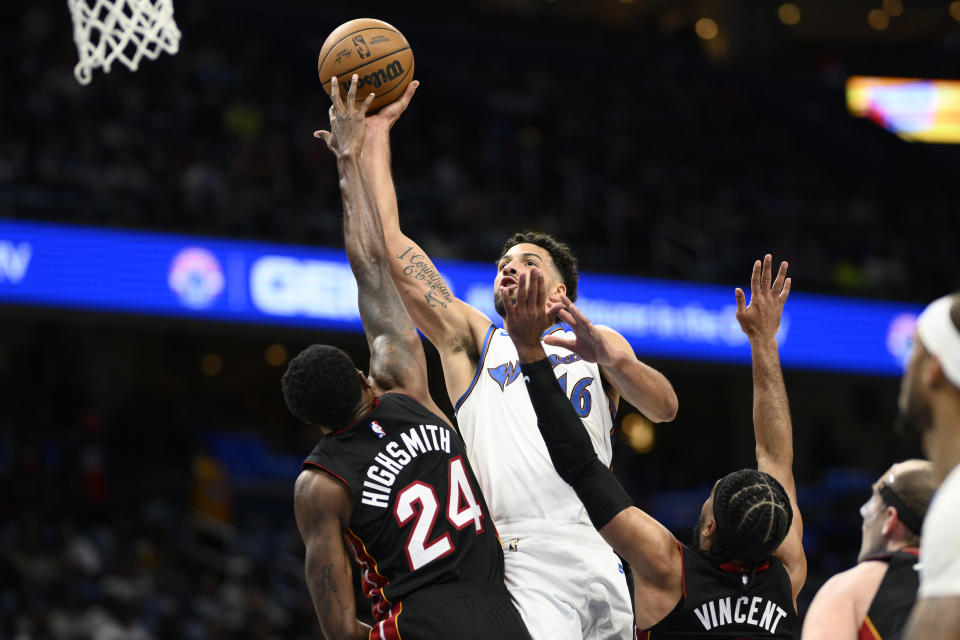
319, 490
858, 581
612, 333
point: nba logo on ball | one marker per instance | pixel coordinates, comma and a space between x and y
196, 277
361, 46
377, 430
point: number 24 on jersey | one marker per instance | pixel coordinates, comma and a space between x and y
418, 502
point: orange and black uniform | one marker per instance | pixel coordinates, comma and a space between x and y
429, 554
725, 602
891, 606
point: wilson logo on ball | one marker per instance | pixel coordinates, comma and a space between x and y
381, 76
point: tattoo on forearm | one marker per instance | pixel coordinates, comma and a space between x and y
419, 268
324, 581
433, 301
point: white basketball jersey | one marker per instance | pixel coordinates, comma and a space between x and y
506, 450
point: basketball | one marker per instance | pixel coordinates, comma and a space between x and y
376, 52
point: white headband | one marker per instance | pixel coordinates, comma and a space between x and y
941, 338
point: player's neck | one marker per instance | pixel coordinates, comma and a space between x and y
368, 402
942, 441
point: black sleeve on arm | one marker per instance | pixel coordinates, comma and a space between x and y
570, 447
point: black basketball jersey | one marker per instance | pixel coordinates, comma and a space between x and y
891, 606
418, 515
723, 602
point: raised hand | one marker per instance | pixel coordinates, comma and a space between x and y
527, 318
347, 128
761, 318
588, 342
388, 115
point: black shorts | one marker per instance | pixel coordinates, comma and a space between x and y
454, 612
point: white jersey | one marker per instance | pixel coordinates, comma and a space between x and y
507, 452
940, 543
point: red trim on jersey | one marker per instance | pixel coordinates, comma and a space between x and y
868, 631
732, 567
643, 635
476, 375
388, 628
887, 555
372, 581
323, 468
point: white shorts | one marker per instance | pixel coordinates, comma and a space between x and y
566, 581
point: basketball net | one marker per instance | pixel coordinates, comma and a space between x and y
126, 30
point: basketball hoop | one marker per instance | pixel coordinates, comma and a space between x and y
126, 30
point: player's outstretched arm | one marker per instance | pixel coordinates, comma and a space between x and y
322, 507
453, 326
397, 360
772, 426
636, 382
647, 545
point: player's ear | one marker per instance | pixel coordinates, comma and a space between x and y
364, 381
933, 373
890, 520
709, 528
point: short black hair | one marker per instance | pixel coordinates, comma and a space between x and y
753, 516
321, 386
563, 258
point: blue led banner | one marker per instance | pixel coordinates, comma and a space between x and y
69, 266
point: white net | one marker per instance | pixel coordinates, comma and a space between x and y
126, 30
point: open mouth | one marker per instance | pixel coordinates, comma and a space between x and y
508, 281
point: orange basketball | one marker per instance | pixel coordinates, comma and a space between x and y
376, 52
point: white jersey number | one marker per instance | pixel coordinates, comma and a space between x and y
462, 509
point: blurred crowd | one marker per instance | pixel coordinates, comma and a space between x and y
648, 157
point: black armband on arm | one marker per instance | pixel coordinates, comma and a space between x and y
570, 447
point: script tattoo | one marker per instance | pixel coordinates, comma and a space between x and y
419, 268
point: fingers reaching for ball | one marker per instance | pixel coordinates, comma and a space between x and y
346, 133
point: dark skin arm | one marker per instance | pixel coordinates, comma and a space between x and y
771, 409
647, 545
322, 506
397, 360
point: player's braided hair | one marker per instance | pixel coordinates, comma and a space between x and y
321, 386
563, 258
753, 516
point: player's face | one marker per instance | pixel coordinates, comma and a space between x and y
520, 258
913, 405
872, 511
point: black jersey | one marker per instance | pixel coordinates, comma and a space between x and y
892, 604
418, 517
723, 602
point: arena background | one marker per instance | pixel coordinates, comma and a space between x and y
146, 464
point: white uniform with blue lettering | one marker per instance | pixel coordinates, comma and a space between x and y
566, 581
